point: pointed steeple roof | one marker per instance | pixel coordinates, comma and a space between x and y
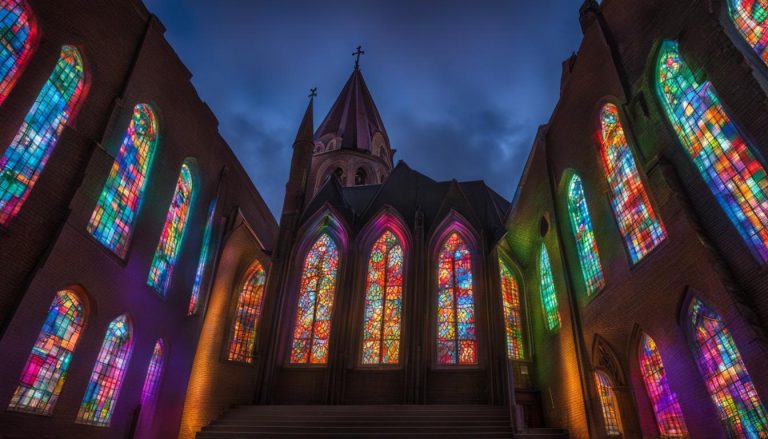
353, 117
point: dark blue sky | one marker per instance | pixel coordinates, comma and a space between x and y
461, 85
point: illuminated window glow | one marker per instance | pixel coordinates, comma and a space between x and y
115, 213
312, 331
154, 372
716, 146
46, 369
383, 302
194, 299
638, 223
548, 291
751, 20
586, 246
513, 320
669, 415
25, 158
608, 404
247, 315
17, 35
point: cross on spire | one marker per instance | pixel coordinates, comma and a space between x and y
312, 92
357, 54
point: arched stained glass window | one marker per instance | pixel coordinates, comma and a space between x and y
513, 319
608, 404
247, 315
383, 302
202, 263
751, 20
312, 331
25, 158
46, 369
17, 35
586, 246
548, 291
456, 337
154, 373
173, 233
727, 379
669, 415
638, 223
108, 372
115, 213
716, 146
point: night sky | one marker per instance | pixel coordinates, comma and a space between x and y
461, 85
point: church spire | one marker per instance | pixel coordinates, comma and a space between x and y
301, 161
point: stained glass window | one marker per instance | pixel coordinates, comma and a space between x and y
456, 338
751, 20
608, 404
727, 379
638, 223
108, 372
173, 232
25, 158
312, 331
154, 372
669, 415
586, 246
247, 315
194, 299
716, 146
17, 35
513, 320
383, 302
46, 369
115, 213
548, 291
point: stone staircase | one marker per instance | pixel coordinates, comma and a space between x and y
369, 421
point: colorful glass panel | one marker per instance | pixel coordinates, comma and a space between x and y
548, 291
456, 337
173, 233
194, 299
638, 223
17, 35
751, 20
586, 246
513, 318
717, 147
608, 404
383, 302
46, 369
107, 376
25, 158
727, 379
669, 415
247, 315
154, 372
116, 209
312, 331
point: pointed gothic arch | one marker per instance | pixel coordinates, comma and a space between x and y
512, 298
249, 304
608, 376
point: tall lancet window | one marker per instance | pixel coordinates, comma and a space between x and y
202, 263
173, 232
17, 36
383, 302
608, 404
247, 315
312, 331
108, 372
669, 415
548, 291
55, 107
717, 147
154, 373
513, 319
46, 369
456, 337
115, 214
751, 20
727, 379
638, 223
586, 246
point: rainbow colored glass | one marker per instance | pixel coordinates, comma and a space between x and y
586, 246
513, 319
115, 213
46, 369
25, 158
669, 415
607, 404
194, 299
548, 291
456, 337
154, 372
727, 379
312, 331
383, 302
751, 20
638, 223
17, 35
716, 146
173, 232
247, 315
107, 376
